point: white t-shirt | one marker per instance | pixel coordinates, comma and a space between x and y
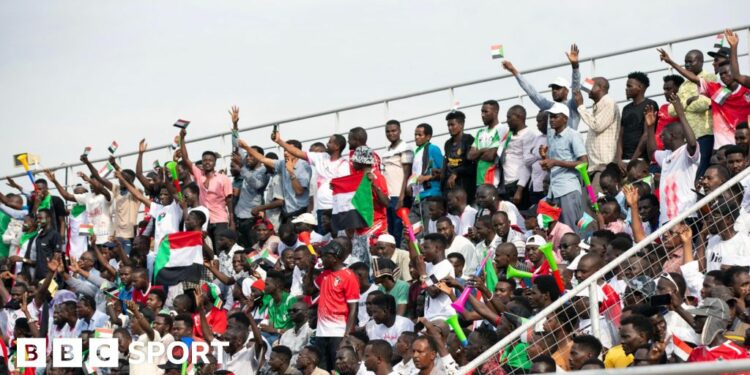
362, 315
393, 160
439, 308
467, 220
514, 215
432, 224
166, 220
514, 167
464, 247
678, 170
733, 252
382, 332
325, 170
97, 208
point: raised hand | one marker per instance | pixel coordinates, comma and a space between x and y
50, 176
241, 143
507, 65
142, 146
84, 158
649, 114
631, 195
74, 265
731, 38
276, 136
675, 101
53, 264
235, 114
686, 234
578, 97
664, 56
12, 183
573, 54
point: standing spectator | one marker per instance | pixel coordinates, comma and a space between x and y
672, 84
337, 302
632, 144
486, 143
729, 100
295, 179
679, 162
327, 165
273, 198
428, 161
53, 203
125, 205
215, 189
254, 179
458, 170
559, 88
603, 122
565, 152
697, 108
532, 159
515, 170
397, 162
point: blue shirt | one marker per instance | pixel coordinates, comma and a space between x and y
544, 104
302, 170
435, 163
566, 146
252, 186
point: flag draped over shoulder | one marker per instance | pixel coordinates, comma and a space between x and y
352, 201
179, 258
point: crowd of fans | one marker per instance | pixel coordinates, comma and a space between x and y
504, 225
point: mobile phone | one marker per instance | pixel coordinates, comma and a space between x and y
660, 300
275, 130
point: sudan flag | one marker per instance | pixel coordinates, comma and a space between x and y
352, 201
179, 258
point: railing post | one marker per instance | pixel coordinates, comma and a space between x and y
453, 98
593, 68
669, 48
594, 308
337, 122
66, 175
387, 105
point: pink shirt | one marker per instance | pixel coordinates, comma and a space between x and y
214, 198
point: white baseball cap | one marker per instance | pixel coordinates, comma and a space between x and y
535, 240
559, 81
559, 108
306, 218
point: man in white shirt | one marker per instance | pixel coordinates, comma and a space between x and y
458, 244
397, 160
458, 206
378, 358
732, 247
385, 324
437, 305
531, 159
516, 173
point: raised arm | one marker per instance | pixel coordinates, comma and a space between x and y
631, 197
139, 319
649, 115
601, 121
183, 152
100, 258
692, 143
60, 189
734, 40
540, 101
269, 163
95, 174
136, 194
294, 151
226, 280
95, 185
234, 113
147, 185
664, 56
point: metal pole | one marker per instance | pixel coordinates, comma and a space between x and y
693, 368
594, 308
593, 67
337, 122
669, 47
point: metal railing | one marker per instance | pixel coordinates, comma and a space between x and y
697, 368
386, 103
591, 282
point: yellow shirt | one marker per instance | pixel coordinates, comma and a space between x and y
616, 358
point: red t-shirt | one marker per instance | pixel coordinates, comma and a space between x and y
725, 352
140, 297
337, 290
217, 320
663, 119
728, 108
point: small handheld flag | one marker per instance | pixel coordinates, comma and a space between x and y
720, 41
497, 51
182, 124
85, 229
86, 151
113, 147
584, 221
587, 85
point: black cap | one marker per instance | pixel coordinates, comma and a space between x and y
721, 52
171, 366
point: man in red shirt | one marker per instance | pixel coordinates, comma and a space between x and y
365, 161
711, 320
209, 300
338, 289
672, 83
142, 286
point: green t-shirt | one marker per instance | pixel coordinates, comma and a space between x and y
485, 139
517, 356
278, 314
400, 292
4, 221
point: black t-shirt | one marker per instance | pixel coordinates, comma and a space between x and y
632, 126
59, 212
457, 162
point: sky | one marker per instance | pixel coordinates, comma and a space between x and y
82, 73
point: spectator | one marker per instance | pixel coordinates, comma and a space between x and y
632, 144
603, 122
424, 181
458, 170
585, 348
458, 244
397, 164
384, 274
386, 248
486, 145
711, 321
279, 364
532, 159
386, 324
672, 84
458, 206
254, 179
308, 361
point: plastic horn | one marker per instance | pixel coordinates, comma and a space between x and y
403, 214
513, 273
304, 237
546, 249
582, 170
453, 323
172, 167
459, 303
25, 162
